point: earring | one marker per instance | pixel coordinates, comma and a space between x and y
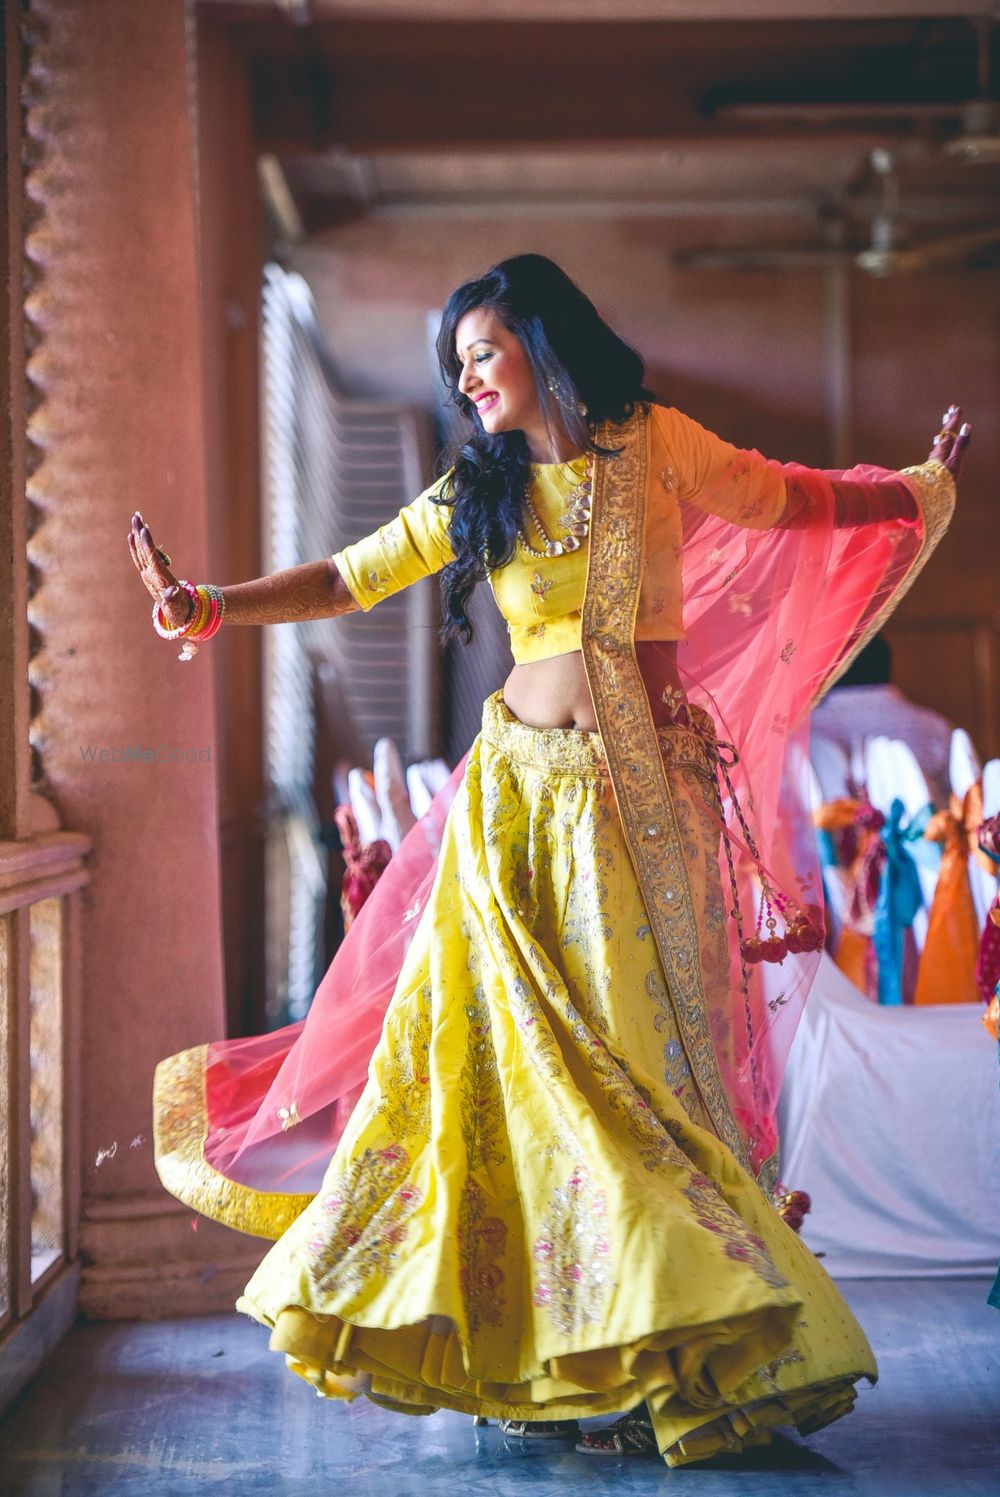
566, 395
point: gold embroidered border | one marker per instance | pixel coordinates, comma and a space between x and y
767, 1175
611, 600
935, 495
180, 1128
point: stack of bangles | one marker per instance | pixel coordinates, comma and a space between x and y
208, 607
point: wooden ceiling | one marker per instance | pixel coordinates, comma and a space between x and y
633, 108
574, 11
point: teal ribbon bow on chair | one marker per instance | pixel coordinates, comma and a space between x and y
899, 897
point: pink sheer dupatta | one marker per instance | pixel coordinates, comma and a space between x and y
276, 1104
772, 617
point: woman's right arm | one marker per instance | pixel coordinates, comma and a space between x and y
413, 545
315, 590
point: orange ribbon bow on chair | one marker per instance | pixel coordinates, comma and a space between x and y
948, 964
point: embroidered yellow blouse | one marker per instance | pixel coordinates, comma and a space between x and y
541, 598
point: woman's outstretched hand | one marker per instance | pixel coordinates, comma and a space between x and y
153, 566
952, 440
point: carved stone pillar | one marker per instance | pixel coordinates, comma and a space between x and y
118, 424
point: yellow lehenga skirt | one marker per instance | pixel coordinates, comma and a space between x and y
528, 1215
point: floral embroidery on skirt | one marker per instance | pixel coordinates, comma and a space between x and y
529, 1214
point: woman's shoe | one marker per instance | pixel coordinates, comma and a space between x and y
540, 1429
632, 1434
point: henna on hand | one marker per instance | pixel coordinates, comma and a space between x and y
952, 440
315, 590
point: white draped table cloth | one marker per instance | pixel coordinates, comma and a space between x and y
890, 1119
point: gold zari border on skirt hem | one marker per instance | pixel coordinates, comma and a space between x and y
686, 1432
180, 1129
424, 1369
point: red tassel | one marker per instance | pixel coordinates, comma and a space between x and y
793, 1206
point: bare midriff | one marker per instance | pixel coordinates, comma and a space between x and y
554, 693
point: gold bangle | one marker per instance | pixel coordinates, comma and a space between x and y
201, 617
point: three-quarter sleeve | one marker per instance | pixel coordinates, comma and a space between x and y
738, 485
747, 489
413, 545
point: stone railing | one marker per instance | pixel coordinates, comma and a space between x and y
41, 879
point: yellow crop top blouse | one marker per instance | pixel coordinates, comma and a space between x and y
541, 598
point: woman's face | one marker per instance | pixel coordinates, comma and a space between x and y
496, 375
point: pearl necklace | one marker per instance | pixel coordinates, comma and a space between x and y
576, 517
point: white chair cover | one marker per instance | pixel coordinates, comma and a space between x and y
964, 768
982, 882
423, 781
890, 1118
391, 794
831, 768
991, 787
365, 806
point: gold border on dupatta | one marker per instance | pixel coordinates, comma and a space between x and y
180, 1129
649, 821
934, 491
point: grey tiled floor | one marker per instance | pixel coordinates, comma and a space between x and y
201, 1406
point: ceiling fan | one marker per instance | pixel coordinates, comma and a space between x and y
979, 137
886, 252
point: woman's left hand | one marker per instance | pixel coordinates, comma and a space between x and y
952, 440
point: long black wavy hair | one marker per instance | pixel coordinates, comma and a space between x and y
584, 374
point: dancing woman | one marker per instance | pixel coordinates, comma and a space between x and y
546, 1059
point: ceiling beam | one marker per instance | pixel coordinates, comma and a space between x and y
324, 213
575, 11
374, 86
